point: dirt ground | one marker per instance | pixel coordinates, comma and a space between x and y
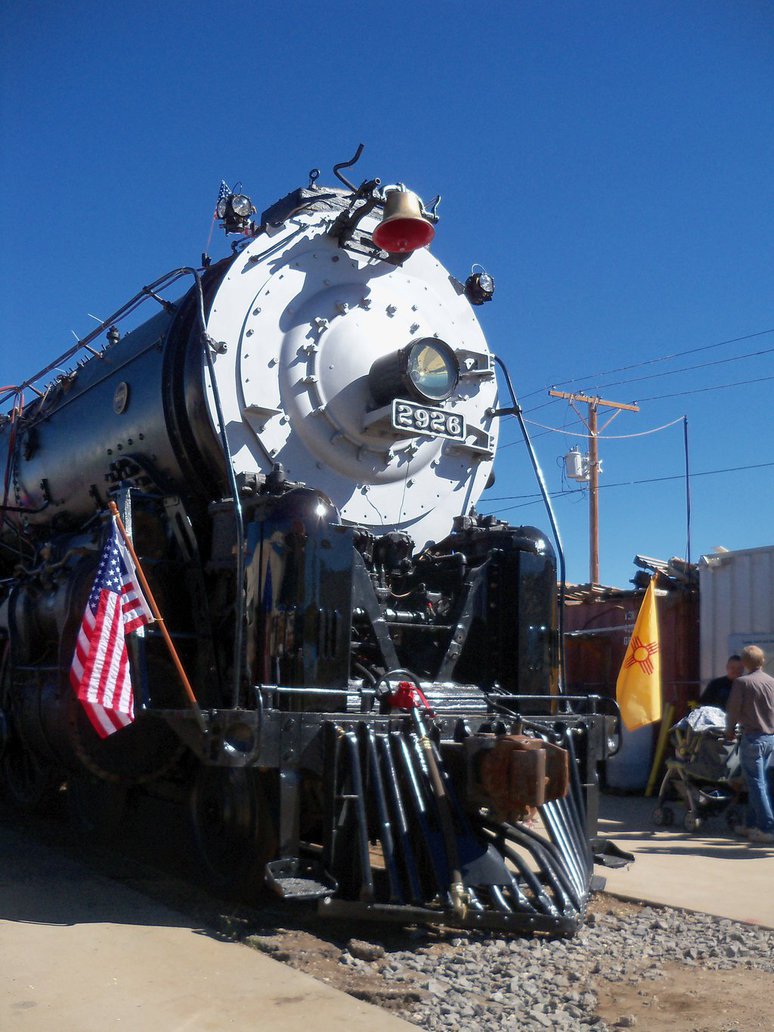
687, 999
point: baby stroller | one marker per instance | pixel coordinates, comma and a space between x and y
703, 772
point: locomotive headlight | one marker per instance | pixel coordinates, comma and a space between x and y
426, 370
241, 205
433, 369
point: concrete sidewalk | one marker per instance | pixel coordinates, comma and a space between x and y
81, 953
711, 871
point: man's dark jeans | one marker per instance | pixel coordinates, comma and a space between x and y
755, 751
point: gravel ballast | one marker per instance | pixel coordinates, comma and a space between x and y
476, 983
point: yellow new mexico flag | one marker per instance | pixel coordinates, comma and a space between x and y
638, 688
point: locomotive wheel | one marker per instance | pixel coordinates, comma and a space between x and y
29, 783
95, 807
232, 829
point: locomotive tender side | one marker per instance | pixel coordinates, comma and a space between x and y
297, 447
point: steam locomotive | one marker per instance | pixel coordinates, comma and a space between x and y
297, 445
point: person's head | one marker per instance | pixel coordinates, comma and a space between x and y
753, 658
734, 667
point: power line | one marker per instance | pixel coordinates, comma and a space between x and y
701, 390
650, 361
534, 437
627, 483
607, 437
670, 373
685, 369
654, 397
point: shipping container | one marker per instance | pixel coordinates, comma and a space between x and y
736, 607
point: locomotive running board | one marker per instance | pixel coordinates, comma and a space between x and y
381, 796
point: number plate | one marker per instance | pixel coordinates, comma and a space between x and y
424, 419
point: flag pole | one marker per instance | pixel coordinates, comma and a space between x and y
157, 616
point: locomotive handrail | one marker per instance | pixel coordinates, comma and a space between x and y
121, 313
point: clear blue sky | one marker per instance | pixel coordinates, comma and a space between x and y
609, 163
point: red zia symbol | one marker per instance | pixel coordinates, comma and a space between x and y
641, 654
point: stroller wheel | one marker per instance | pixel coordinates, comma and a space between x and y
734, 816
691, 821
663, 816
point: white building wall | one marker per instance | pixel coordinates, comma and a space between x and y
736, 604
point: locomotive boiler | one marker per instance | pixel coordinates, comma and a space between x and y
297, 440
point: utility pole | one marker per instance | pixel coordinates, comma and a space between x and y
591, 425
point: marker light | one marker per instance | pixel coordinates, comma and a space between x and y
234, 211
241, 205
479, 287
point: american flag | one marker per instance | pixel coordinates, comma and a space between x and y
100, 673
223, 194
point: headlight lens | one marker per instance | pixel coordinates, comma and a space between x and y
241, 205
432, 368
426, 370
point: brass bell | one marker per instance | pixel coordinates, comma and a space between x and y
403, 228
